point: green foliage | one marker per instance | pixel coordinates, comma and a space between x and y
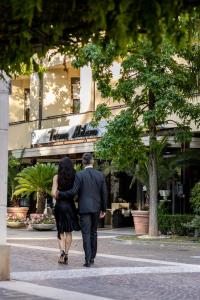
102, 111
36, 180
195, 202
34, 27
78, 167
122, 143
195, 198
142, 71
13, 169
174, 224
194, 224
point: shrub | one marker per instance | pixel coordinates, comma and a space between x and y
195, 198
175, 224
195, 225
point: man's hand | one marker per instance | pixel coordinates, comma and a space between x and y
102, 214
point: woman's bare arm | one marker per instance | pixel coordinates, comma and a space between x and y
54, 186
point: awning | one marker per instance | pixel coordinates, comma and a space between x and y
54, 150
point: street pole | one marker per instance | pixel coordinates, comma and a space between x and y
4, 248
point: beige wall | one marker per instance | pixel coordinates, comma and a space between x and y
19, 136
16, 100
57, 92
71, 120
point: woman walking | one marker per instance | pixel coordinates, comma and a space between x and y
65, 210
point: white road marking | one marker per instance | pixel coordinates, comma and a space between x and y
47, 291
109, 256
96, 272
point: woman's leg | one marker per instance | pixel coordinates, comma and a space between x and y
61, 243
68, 241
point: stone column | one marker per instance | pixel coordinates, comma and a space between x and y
86, 89
34, 97
4, 249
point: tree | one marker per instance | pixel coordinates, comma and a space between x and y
35, 27
38, 180
153, 86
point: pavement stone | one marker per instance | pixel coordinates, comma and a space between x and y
6, 294
163, 251
136, 287
141, 286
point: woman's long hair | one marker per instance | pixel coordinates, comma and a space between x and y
66, 174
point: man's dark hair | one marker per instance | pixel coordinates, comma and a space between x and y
87, 159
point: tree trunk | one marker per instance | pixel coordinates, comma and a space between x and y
153, 194
41, 200
41, 88
153, 173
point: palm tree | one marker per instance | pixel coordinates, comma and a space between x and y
38, 180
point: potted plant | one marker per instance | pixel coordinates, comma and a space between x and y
14, 221
36, 180
41, 221
141, 215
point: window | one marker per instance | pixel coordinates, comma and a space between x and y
27, 105
75, 94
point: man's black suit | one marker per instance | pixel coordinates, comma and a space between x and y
91, 188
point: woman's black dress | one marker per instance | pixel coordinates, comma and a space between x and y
66, 213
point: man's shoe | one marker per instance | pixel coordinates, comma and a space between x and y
92, 261
86, 264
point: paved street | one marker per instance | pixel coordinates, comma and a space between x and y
122, 270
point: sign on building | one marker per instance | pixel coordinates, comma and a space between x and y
66, 133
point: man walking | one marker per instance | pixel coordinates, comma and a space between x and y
91, 188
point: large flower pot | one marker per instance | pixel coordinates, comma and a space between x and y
20, 212
43, 227
141, 221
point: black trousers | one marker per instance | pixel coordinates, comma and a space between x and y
89, 224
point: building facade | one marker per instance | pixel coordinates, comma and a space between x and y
50, 114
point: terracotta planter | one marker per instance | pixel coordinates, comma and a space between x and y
20, 212
141, 221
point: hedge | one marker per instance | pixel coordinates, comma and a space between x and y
174, 224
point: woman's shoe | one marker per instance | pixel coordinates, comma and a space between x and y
66, 259
61, 259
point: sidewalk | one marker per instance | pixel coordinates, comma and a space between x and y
139, 271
